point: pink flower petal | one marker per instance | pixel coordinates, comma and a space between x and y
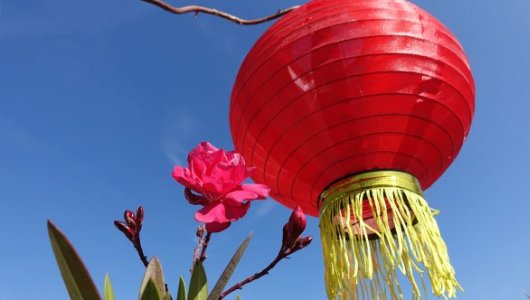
223, 179
261, 190
236, 212
183, 176
239, 197
221, 213
213, 212
203, 149
197, 167
207, 147
201, 159
216, 227
238, 174
234, 158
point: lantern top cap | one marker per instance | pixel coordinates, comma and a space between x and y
369, 180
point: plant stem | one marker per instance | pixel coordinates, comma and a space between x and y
300, 244
211, 11
138, 246
205, 243
261, 273
198, 248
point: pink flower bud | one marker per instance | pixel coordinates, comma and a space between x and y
293, 229
303, 242
140, 215
130, 219
121, 226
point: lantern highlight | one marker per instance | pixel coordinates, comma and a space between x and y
350, 109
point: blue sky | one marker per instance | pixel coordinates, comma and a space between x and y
99, 99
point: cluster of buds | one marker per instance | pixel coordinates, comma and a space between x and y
291, 240
132, 225
131, 228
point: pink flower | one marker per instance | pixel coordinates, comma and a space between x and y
214, 179
293, 229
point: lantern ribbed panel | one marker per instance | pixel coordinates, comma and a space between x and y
339, 87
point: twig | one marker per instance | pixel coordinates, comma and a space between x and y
249, 279
205, 246
138, 246
281, 255
197, 252
211, 11
131, 228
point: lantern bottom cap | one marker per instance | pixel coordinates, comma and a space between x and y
375, 226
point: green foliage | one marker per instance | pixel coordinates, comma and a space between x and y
80, 285
78, 282
154, 272
229, 269
150, 291
181, 294
198, 289
107, 289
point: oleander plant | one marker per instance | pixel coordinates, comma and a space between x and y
213, 180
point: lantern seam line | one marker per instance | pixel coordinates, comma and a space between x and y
331, 62
293, 100
417, 37
266, 103
342, 123
439, 167
446, 33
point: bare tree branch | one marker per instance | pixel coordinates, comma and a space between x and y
211, 11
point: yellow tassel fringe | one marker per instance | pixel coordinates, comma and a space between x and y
362, 260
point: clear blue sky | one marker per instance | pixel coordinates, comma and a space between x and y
99, 99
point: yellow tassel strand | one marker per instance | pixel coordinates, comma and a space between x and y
362, 256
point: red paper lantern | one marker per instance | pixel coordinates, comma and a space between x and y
339, 88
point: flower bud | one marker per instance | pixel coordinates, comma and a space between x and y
293, 229
130, 219
121, 226
140, 215
303, 242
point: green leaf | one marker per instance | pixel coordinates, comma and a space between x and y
154, 272
168, 297
150, 291
238, 298
75, 275
198, 289
181, 294
109, 293
229, 270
